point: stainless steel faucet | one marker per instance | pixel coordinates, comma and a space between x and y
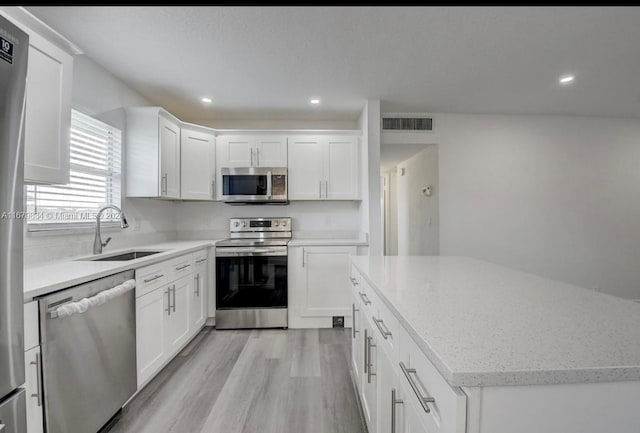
97, 240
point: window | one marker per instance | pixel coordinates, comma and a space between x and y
94, 181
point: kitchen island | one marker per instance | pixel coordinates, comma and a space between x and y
507, 350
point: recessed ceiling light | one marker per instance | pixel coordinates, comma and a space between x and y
206, 100
314, 101
567, 79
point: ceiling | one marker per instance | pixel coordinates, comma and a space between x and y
266, 62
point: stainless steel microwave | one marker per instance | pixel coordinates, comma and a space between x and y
257, 185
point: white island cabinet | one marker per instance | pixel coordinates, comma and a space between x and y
457, 345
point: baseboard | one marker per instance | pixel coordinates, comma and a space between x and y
211, 321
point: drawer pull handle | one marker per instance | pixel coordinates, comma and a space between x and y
38, 364
179, 268
155, 277
354, 282
365, 298
414, 386
380, 323
353, 319
200, 261
366, 351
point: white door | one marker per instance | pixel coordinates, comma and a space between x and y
151, 313
33, 387
197, 165
271, 151
169, 159
341, 174
48, 113
369, 379
326, 291
197, 297
177, 321
305, 168
236, 151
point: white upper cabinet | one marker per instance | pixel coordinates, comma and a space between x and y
324, 168
305, 168
251, 151
197, 165
152, 150
47, 112
169, 158
271, 151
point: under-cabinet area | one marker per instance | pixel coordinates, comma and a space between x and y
399, 219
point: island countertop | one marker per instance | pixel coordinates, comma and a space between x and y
482, 324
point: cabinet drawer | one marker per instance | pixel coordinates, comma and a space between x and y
387, 328
200, 257
447, 414
31, 327
151, 277
180, 266
369, 299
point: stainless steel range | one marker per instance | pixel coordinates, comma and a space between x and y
251, 274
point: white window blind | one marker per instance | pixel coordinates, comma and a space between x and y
95, 179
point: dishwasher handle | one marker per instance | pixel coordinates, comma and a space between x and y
86, 304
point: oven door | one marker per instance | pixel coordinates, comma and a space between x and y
248, 278
254, 184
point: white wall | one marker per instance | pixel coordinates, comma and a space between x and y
98, 93
311, 219
552, 195
417, 214
370, 209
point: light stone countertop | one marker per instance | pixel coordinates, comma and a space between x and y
321, 242
49, 277
481, 324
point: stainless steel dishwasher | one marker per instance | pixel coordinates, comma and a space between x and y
89, 358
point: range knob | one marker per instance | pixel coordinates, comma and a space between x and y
237, 224
244, 223
284, 223
276, 223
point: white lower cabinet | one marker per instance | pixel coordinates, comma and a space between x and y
319, 285
168, 313
369, 392
33, 388
357, 341
151, 310
177, 318
197, 298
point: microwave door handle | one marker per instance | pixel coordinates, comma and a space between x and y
269, 184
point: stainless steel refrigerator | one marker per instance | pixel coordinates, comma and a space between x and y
14, 48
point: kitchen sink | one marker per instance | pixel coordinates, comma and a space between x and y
131, 255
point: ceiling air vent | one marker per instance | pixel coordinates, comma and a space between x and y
404, 123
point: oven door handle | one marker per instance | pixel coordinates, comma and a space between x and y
269, 185
249, 252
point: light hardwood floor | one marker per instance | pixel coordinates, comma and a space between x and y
260, 381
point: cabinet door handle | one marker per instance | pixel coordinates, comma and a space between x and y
353, 319
364, 298
394, 402
179, 268
174, 298
379, 323
414, 386
251, 157
326, 189
366, 351
164, 184
303, 257
200, 261
369, 371
213, 189
168, 310
319, 189
197, 277
38, 364
258, 156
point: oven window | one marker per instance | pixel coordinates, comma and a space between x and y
251, 282
245, 184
